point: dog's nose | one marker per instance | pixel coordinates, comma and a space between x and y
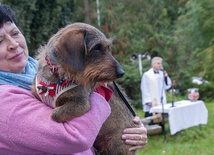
120, 72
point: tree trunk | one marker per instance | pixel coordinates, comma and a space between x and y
87, 12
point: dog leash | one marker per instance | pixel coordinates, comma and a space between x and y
124, 100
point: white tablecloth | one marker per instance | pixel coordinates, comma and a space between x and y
184, 115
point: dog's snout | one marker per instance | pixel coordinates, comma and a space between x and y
120, 72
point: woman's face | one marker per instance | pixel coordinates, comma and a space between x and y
13, 49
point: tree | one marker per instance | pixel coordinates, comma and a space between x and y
140, 26
195, 33
179, 31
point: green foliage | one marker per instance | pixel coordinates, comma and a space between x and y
195, 35
205, 64
206, 91
174, 30
132, 84
131, 81
138, 26
184, 82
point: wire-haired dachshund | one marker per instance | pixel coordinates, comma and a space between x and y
70, 66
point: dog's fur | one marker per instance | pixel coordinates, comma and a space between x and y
81, 53
108, 141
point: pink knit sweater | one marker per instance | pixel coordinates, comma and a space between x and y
26, 127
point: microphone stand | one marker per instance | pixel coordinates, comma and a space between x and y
173, 84
164, 132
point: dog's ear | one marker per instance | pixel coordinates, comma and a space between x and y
72, 48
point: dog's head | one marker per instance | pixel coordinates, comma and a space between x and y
85, 51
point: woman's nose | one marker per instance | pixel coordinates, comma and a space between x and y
12, 43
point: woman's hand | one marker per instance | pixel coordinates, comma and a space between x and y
137, 137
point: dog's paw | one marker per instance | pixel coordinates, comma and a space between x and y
59, 116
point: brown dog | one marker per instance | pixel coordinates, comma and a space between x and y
70, 66
108, 141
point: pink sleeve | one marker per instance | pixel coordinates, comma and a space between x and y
28, 127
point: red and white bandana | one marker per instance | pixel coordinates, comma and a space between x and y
52, 90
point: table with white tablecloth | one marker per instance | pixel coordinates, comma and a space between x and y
184, 114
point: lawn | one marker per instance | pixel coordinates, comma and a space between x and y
191, 141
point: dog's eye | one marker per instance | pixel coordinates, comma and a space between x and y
97, 47
109, 47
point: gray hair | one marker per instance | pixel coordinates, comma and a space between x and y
155, 59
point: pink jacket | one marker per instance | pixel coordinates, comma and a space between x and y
26, 127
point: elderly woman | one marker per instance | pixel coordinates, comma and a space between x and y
25, 124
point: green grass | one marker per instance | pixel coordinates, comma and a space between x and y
191, 141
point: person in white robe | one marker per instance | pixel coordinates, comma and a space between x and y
154, 84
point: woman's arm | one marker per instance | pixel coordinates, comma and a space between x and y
31, 130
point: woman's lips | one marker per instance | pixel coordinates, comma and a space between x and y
17, 57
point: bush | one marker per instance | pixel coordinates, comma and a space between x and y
206, 92
131, 83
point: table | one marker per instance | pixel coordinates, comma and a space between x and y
184, 115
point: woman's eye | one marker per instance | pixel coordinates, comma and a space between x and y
15, 33
1, 41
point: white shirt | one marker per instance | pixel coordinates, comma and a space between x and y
153, 88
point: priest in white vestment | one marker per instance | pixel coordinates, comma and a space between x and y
154, 84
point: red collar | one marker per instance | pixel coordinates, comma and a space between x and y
50, 89
104, 91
